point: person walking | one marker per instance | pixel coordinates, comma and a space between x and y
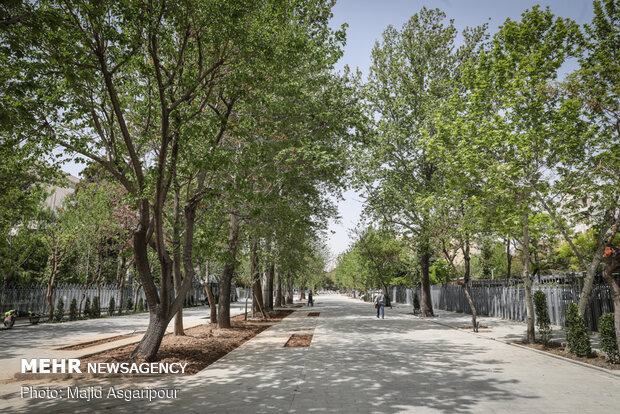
379, 304
310, 300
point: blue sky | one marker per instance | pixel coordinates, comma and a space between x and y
367, 19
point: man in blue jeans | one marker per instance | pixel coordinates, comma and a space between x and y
379, 300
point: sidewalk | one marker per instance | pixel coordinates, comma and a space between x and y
359, 364
43, 341
498, 329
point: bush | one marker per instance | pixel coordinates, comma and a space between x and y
87, 308
111, 306
542, 317
141, 305
95, 310
129, 304
73, 310
416, 302
60, 310
607, 330
577, 334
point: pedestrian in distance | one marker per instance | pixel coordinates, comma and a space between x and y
379, 304
310, 301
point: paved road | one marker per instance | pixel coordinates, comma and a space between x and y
359, 364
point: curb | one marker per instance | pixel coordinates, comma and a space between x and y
613, 373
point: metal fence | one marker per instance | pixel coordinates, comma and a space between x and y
508, 301
32, 298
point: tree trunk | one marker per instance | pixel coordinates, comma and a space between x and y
302, 290
135, 297
49, 296
176, 257
425, 258
257, 292
121, 286
223, 308
612, 263
508, 258
178, 317
597, 258
278, 282
529, 304
210, 297
149, 345
98, 281
270, 277
466, 284
289, 289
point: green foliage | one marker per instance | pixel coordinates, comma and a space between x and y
111, 306
73, 310
87, 310
441, 272
141, 305
95, 310
129, 304
607, 331
577, 334
542, 317
60, 310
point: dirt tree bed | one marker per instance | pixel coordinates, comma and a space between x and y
298, 340
557, 349
200, 347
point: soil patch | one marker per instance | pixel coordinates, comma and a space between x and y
557, 349
89, 344
200, 347
314, 313
302, 329
298, 340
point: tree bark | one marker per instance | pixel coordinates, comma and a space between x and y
425, 258
508, 258
176, 257
612, 262
121, 286
279, 299
466, 284
223, 308
211, 298
270, 277
529, 304
289, 289
49, 296
597, 258
257, 292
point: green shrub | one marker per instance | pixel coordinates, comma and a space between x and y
542, 317
577, 334
87, 308
141, 305
111, 306
129, 304
60, 310
416, 301
95, 310
607, 331
73, 310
